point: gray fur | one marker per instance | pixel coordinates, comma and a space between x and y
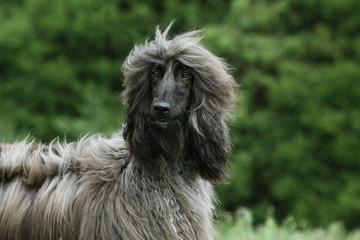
98, 188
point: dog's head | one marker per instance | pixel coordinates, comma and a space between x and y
178, 96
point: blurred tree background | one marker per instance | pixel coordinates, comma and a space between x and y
296, 130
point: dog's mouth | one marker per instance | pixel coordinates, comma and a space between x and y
164, 122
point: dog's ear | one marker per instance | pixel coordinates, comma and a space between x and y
212, 99
208, 147
138, 135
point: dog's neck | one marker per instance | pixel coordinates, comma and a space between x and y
170, 143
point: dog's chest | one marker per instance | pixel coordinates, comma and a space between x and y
173, 208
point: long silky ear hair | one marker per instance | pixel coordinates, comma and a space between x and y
137, 97
213, 97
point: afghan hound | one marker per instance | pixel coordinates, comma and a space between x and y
151, 180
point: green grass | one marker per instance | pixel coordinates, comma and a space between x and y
240, 227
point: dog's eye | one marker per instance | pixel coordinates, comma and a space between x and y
185, 75
155, 74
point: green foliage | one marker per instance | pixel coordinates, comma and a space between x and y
53, 53
241, 226
297, 135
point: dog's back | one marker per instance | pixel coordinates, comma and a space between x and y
92, 189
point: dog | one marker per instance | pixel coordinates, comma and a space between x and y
151, 180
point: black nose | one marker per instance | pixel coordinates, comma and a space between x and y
161, 107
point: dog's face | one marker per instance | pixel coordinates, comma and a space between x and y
171, 84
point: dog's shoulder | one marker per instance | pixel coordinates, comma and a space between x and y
100, 156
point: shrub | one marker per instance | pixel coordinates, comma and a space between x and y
296, 133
